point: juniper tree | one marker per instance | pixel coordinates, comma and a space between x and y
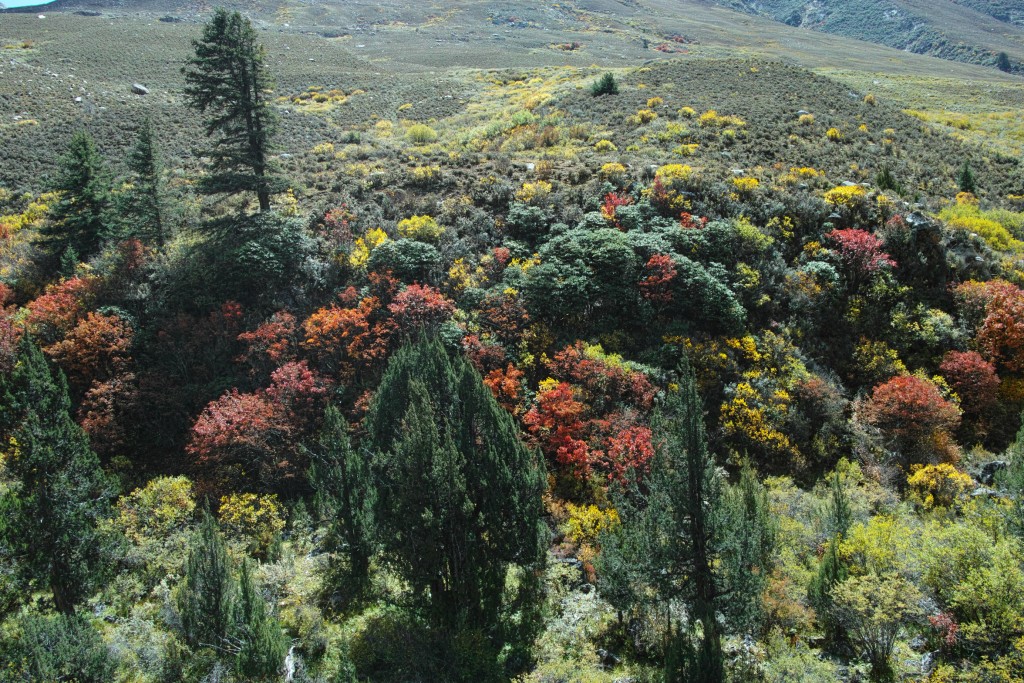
689, 540
79, 219
226, 79
261, 643
459, 495
207, 598
59, 492
345, 494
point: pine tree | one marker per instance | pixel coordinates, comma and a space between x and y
144, 207
1011, 480
345, 493
207, 598
227, 81
59, 493
459, 495
79, 219
1003, 62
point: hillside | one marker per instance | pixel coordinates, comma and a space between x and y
976, 32
640, 341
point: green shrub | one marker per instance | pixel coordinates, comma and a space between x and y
56, 648
605, 85
421, 134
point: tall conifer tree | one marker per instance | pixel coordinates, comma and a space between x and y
78, 221
688, 539
145, 205
208, 595
227, 80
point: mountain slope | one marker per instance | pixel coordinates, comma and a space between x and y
974, 31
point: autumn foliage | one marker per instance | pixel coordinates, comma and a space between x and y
914, 414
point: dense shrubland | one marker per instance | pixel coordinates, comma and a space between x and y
659, 382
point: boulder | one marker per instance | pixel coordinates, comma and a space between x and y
139, 89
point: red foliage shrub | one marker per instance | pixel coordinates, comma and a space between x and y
505, 317
605, 384
628, 450
612, 201
973, 379
299, 392
556, 421
507, 387
1001, 336
656, 281
912, 412
859, 252
420, 307
270, 345
103, 412
95, 350
54, 313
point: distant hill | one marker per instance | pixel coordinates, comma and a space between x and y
974, 31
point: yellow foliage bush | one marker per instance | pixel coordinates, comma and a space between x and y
604, 146
537, 192
834, 134
422, 228
424, 175
655, 102
323, 149
365, 245
164, 505
613, 171
253, 518
421, 134
687, 112
992, 226
586, 523
745, 184
938, 486
711, 119
641, 117
845, 195
806, 119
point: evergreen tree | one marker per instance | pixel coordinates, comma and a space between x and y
1003, 62
687, 539
344, 493
227, 81
965, 179
262, 643
144, 206
832, 570
459, 495
78, 220
59, 493
747, 550
207, 598
669, 534
1011, 480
